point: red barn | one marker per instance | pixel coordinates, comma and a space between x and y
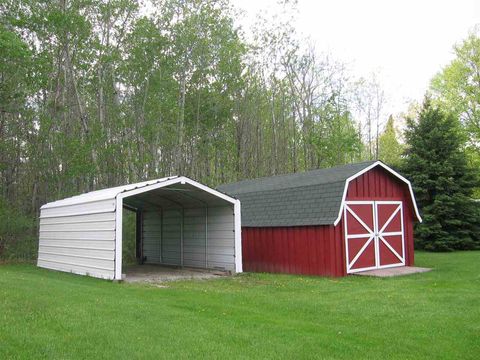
332, 222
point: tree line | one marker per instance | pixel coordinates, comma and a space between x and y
98, 93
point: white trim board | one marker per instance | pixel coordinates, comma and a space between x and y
363, 171
238, 236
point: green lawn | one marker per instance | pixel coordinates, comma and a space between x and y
46, 314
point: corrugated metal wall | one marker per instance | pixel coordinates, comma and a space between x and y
208, 237
171, 247
152, 233
194, 239
79, 238
221, 238
308, 250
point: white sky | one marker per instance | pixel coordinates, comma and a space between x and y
405, 41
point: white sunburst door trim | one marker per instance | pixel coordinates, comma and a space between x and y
376, 235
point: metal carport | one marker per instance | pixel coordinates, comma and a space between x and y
179, 222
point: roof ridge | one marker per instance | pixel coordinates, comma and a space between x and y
293, 175
287, 187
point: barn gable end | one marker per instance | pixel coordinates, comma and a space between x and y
368, 183
379, 184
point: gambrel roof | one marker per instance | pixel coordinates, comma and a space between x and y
309, 198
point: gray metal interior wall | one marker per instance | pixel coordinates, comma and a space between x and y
171, 244
152, 234
221, 238
195, 237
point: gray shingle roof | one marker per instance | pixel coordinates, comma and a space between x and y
308, 198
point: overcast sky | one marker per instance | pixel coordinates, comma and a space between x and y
405, 41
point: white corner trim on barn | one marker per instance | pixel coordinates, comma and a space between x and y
368, 168
83, 234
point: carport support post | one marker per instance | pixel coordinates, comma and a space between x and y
118, 237
139, 235
181, 237
206, 236
237, 219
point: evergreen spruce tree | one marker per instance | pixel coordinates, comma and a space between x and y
443, 183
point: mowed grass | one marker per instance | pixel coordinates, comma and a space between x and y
47, 314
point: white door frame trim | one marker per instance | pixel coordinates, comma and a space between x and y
374, 235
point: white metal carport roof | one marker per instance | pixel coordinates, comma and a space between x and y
104, 194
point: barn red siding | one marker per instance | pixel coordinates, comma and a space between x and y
378, 184
307, 250
320, 250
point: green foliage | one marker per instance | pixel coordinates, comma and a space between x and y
443, 182
15, 58
337, 141
457, 90
50, 315
457, 86
96, 93
389, 149
129, 238
473, 157
17, 234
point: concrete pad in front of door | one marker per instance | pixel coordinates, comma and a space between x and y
394, 271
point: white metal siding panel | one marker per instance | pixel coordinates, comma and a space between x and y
80, 227
171, 237
194, 227
78, 235
76, 269
221, 238
71, 240
80, 244
109, 216
152, 236
77, 251
94, 207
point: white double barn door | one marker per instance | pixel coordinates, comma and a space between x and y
374, 235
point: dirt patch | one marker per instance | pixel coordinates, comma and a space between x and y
160, 274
